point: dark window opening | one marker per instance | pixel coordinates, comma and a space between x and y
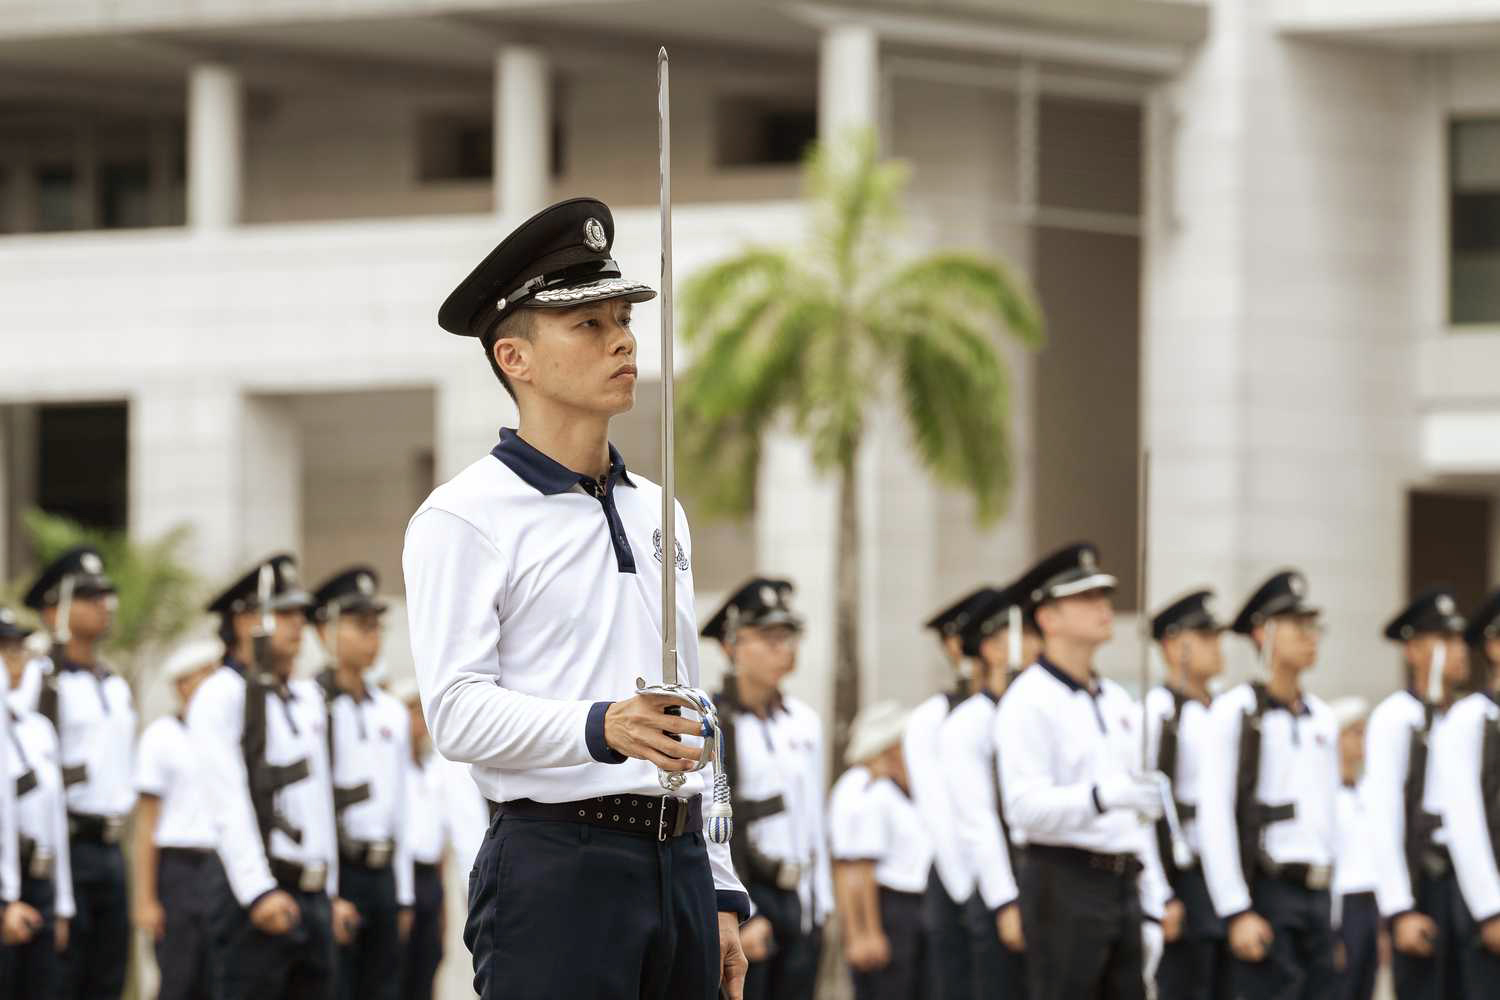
456, 148
81, 463
55, 208
1474, 221
125, 195
754, 131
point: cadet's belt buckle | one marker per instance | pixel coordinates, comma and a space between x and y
661, 818
1319, 877
41, 864
113, 827
788, 875
314, 877
379, 854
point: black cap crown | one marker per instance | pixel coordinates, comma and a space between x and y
1285, 593
1433, 610
558, 258
244, 595
991, 614
953, 619
11, 627
1484, 623
1068, 572
352, 591
760, 601
1192, 612
86, 568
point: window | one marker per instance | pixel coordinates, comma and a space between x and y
125, 195
54, 198
1474, 222
758, 131
455, 148
81, 463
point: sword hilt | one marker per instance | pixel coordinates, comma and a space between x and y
719, 817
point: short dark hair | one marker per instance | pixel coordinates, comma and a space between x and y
522, 324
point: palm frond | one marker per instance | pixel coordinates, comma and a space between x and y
982, 289
710, 299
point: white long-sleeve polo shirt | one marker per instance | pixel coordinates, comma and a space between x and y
969, 742
372, 749
96, 733
1299, 764
534, 601
1456, 754
1192, 729
1388, 736
926, 771
42, 812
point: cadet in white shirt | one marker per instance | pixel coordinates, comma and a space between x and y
774, 745
882, 841
1070, 751
968, 744
1195, 963
1266, 806
534, 599
429, 831
1417, 891
1466, 760
1356, 913
38, 880
173, 857
262, 738
369, 752
951, 882
854, 875
92, 710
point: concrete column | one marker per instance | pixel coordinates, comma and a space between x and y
271, 491
215, 141
848, 79
523, 130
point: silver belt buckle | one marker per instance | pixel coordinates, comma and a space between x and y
788, 875
661, 819
314, 877
41, 864
379, 854
1319, 877
113, 827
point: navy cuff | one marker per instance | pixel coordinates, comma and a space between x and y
729, 901
1094, 794
1151, 919
593, 735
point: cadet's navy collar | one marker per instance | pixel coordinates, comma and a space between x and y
235, 665
992, 696
1299, 707
545, 474
1066, 678
69, 666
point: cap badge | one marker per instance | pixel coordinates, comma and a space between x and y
1208, 604
593, 236
1445, 605
7, 616
288, 573
1297, 585
91, 563
769, 597
366, 585
1087, 560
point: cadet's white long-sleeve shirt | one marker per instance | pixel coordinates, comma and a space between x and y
96, 732
533, 602
926, 771
10, 851
1388, 735
372, 746
968, 743
1457, 758
42, 813
1192, 729
1299, 764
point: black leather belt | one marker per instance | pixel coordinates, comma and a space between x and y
195, 855
1314, 878
36, 863
298, 878
1077, 857
424, 868
372, 854
1436, 861
99, 829
660, 816
1186, 811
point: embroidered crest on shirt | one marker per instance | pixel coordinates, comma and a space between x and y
682, 562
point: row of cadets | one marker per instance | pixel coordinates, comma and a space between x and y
1000, 640
35, 878
1194, 964
951, 881
1266, 805
882, 856
175, 834
369, 749
1091, 888
1356, 913
93, 712
1466, 761
774, 749
262, 735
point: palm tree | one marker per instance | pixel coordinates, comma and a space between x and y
815, 338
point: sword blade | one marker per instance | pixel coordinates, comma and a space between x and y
668, 465
1143, 615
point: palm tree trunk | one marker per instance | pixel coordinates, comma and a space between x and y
846, 611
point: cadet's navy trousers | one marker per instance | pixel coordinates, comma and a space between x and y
1083, 929
297, 965
904, 977
566, 910
1196, 965
1359, 930
999, 973
369, 967
33, 969
791, 971
950, 964
1299, 965
99, 938
423, 951
184, 954
1440, 974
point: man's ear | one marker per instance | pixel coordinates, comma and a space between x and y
513, 355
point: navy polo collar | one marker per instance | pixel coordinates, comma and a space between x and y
546, 475
992, 696
1298, 708
68, 666
1063, 676
235, 665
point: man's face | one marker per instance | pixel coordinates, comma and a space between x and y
582, 358
994, 650
358, 639
13, 653
286, 634
765, 655
90, 617
1294, 639
1086, 618
1200, 651
1422, 651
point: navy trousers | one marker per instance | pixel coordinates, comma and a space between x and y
568, 910
423, 952
950, 950
33, 969
1359, 930
1196, 965
369, 967
1440, 974
1299, 965
297, 965
184, 953
1083, 931
905, 977
791, 971
999, 973
99, 938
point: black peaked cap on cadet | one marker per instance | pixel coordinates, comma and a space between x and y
11, 627
1484, 623
244, 594
991, 614
952, 619
352, 592
1192, 612
83, 563
1285, 593
760, 601
1434, 610
557, 259
1068, 572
